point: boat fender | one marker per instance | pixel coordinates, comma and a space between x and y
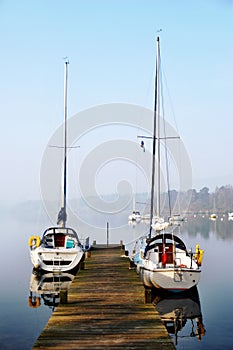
34, 240
199, 255
197, 250
199, 260
34, 302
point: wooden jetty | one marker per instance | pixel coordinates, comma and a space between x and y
105, 309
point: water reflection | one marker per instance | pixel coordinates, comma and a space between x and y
202, 224
177, 310
48, 287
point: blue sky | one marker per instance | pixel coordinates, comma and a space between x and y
111, 48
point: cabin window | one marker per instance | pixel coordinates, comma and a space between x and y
59, 240
70, 243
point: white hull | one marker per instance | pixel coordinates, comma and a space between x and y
135, 216
173, 279
56, 260
145, 278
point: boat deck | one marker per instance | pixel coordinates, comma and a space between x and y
105, 309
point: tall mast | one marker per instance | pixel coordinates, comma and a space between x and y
62, 216
65, 143
155, 138
158, 128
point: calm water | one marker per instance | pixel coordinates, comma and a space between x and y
20, 324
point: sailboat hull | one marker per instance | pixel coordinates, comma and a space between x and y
173, 279
56, 260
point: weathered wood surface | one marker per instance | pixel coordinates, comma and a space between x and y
105, 310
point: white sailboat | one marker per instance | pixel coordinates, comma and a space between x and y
59, 249
135, 215
213, 216
166, 263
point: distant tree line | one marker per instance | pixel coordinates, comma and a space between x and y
219, 201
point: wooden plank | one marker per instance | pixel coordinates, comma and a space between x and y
105, 310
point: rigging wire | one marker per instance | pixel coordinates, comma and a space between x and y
165, 145
176, 128
170, 101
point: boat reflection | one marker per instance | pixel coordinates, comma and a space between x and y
48, 287
177, 310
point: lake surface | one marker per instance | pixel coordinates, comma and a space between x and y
210, 322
